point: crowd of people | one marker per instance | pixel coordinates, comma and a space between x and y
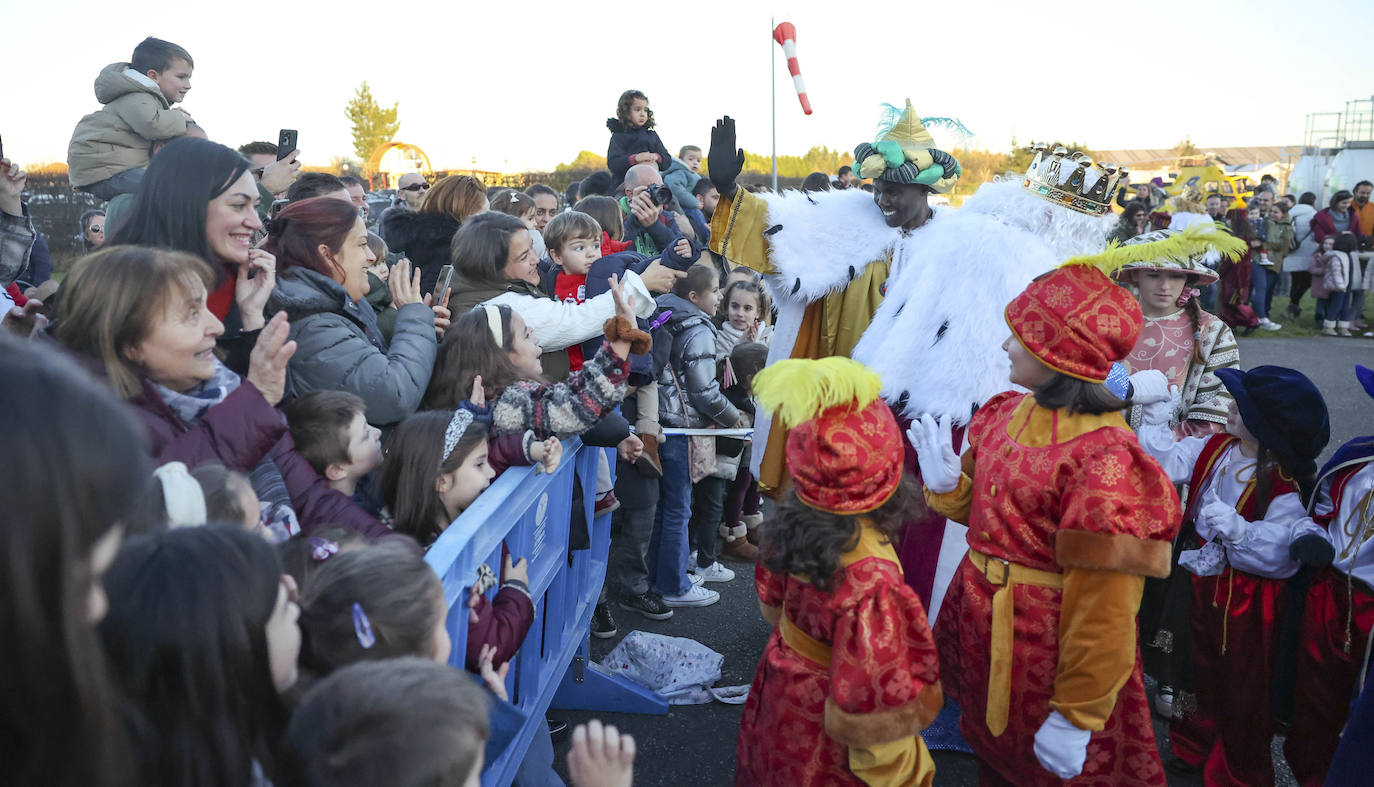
265, 404
1293, 248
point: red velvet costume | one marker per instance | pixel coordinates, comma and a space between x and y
1336, 622
1232, 619
883, 669
850, 675
1080, 514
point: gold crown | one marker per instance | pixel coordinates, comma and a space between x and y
1072, 179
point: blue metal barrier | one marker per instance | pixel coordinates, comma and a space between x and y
530, 513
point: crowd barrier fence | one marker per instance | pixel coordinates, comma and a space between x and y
530, 513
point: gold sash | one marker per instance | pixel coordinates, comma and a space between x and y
1006, 575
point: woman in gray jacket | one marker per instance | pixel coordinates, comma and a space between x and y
322, 259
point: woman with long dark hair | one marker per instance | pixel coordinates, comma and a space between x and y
57, 721
321, 245
202, 637
199, 197
1135, 220
493, 261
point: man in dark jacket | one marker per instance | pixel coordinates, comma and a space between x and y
648, 224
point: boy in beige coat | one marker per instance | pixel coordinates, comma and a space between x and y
110, 148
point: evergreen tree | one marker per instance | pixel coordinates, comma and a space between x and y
373, 126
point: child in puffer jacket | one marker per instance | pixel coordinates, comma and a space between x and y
1330, 271
633, 140
690, 396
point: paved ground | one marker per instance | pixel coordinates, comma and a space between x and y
695, 745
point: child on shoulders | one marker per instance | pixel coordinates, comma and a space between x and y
682, 177
633, 140
110, 148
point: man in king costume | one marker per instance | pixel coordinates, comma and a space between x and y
827, 256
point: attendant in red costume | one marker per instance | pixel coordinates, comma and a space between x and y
850, 675
1247, 531
1067, 517
1335, 639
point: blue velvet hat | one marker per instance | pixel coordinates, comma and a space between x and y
1284, 411
1366, 377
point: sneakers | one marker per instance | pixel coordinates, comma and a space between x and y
603, 625
648, 464
694, 574
695, 596
1267, 324
606, 504
715, 573
649, 604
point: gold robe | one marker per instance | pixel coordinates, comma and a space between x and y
831, 325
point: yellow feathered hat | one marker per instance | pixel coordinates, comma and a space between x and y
844, 451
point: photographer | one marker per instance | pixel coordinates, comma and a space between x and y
649, 225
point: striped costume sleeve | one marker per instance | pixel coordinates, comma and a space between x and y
1204, 396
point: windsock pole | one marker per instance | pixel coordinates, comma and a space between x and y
773, 83
786, 35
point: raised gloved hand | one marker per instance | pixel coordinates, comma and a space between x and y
1221, 518
724, 161
934, 444
1312, 549
1061, 747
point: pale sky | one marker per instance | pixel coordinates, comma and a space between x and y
527, 85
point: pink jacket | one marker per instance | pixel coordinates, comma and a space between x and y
1330, 273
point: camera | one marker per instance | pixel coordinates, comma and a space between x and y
660, 194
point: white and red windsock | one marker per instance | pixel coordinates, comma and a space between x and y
786, 35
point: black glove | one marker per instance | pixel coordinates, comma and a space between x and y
1312, 550
724, 162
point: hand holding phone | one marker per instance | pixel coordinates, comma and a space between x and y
286, 143
445, 277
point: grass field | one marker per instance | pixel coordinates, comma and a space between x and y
1302, 326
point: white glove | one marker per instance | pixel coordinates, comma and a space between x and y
934, 444
1158, 400
1061, 747
1221, 518
1149, 386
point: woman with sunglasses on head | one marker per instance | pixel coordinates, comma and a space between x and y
424, 234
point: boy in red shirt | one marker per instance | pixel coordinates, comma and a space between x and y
574, 243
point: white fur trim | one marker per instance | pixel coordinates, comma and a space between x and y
823, 234
958, 274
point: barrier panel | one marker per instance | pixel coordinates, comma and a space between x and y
531, 514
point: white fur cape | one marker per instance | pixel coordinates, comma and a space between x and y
936, 340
